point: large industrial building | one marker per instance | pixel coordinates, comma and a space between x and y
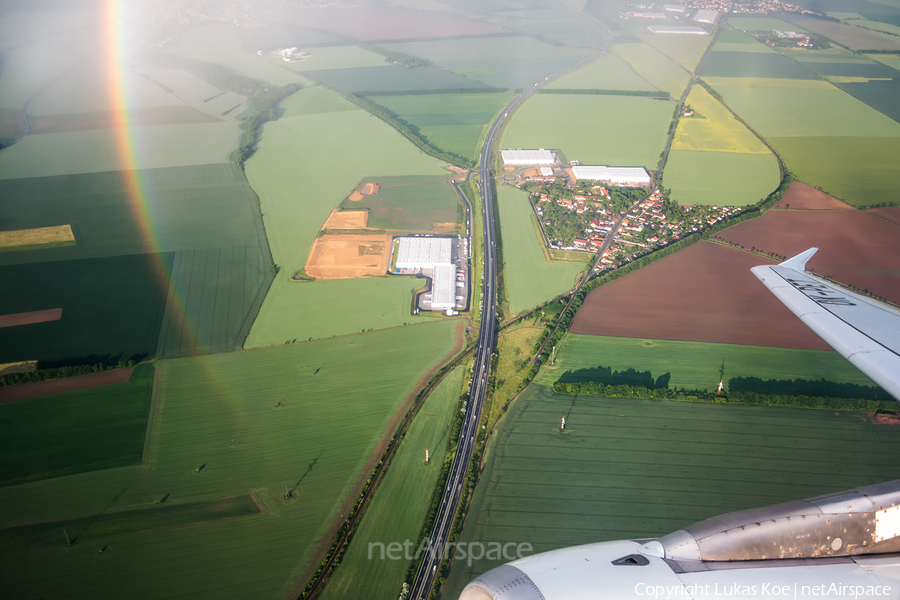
434, 256
527, 157
624, 176
676, 30
710, 17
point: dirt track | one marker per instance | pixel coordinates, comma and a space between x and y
27, 318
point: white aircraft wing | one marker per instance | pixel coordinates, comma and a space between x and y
866, 332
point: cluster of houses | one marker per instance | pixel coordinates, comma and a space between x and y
646, 227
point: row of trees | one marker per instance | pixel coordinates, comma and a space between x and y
595, 388
60, 372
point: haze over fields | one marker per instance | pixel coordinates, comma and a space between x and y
219, 379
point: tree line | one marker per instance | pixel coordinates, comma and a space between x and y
60, 372
459, 90
595, 388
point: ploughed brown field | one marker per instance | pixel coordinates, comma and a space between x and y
27, 318
890, 213
108, 119
23, 391
855, 247
800, 196
704, 293
345, 256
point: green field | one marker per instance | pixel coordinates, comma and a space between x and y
631, 469
258, 422
299, 185
205, 218
596, 130
296, 310
683, 49
411, 203
272, 37
696, 365
529, 278
97, 527
452, 122
112, 308
763, 65
655, 67
858, 170
74, 432
220, 43
337, 57
390, 78
399, 506
507, 62
776, 107
720, 178
162, 146
733, 36
610, 72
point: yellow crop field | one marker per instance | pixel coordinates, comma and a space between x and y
60, 235
25, 366
769, 82
713, 128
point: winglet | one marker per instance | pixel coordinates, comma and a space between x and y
798, 263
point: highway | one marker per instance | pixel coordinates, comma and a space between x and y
485, 348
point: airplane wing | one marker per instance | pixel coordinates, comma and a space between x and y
866, 332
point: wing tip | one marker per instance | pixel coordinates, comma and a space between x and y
798, 263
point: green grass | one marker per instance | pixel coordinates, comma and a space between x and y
801, 108
112, 308
733, 36
321, 309
77, 152
720, 178
528, 277
859, 170
207, 215
630, 469
452, 122
654, 66
307, 417
510, 62
396, 512
74, 432
599, 130
696, 365
891, 60
610, 72
408, 203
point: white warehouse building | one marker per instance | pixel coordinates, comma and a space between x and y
434, 254
625, 176
710, 17
527, 157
